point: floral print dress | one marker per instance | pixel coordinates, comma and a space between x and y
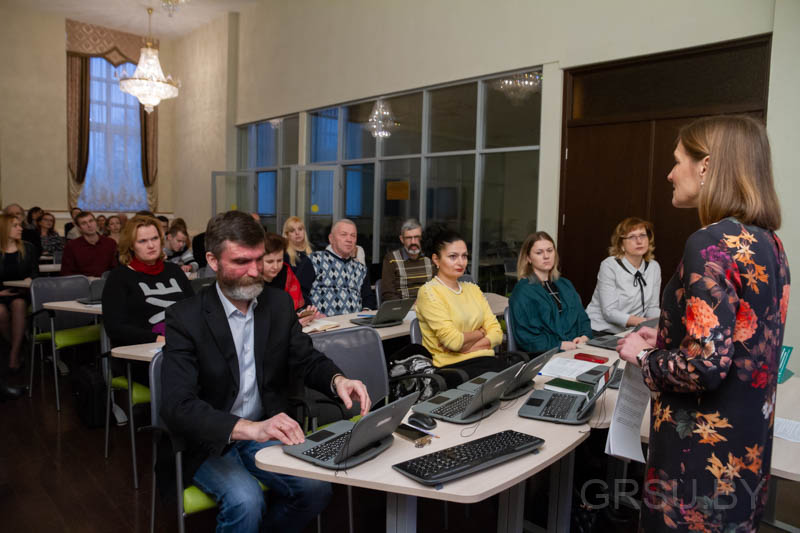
714, 382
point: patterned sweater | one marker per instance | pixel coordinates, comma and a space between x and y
336, 286
402, 276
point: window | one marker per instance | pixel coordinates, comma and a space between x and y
114, 173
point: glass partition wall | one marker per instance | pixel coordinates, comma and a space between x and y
464, 154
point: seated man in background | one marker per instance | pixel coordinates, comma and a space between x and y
230, 352
332, 280
90, 254
407, 269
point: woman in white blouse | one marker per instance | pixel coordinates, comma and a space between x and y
629, 280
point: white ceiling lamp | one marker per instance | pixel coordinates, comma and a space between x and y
519, 87
381, 120
172, 5
148, 83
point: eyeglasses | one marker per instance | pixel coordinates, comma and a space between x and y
636, 237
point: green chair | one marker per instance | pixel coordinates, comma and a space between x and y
191, 499
60, 329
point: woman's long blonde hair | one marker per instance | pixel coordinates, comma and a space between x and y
6, 222
739, 180
290, 249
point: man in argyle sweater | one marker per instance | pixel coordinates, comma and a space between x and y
334, 281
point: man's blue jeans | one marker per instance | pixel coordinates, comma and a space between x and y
231, 479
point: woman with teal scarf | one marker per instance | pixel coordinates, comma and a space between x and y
546, 310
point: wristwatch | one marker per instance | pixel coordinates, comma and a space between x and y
641, 355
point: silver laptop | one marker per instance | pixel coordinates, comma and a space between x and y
391, 313
95, 292
523, 381
565, 408
345, 444
471, 401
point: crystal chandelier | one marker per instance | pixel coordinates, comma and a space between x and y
148, 83
172, 5
381, 120
519, 87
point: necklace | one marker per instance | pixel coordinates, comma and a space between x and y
455, 291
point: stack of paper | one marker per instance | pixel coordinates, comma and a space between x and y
320, 325
624, 439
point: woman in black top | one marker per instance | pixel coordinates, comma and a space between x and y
138, 291
17, 261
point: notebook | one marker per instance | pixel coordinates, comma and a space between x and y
472, 400
391, 313
345, 444
523, 382
565, 408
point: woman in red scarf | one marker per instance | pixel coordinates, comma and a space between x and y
279, 275
138, 291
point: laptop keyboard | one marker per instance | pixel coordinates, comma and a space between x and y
558, 405
464, 459
455, 406
328, 449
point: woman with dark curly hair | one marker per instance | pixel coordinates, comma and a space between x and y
713, 362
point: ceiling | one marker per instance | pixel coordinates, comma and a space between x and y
131, 15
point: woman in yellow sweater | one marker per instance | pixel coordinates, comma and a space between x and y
457, 324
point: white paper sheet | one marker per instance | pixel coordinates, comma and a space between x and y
563, 367
787, 429
624, 439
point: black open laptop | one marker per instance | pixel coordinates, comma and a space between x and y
471, 401
345, 444
391, 313
523, 381
565, 408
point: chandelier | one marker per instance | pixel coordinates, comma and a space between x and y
519, 87
172, 5
381, 120
148, 83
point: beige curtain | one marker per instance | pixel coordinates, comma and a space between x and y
85, 41
77, 123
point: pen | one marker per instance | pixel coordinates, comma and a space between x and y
423, 430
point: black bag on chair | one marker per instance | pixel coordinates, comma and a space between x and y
412, 359
89, 389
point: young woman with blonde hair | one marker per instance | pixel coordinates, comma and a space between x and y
297, 249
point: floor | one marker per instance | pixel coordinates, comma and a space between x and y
53, 477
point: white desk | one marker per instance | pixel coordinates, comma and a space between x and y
507, 479
50, 268
137, 352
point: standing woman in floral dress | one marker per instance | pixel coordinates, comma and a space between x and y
713, 363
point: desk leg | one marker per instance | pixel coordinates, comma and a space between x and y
401, 513
769, 511
511, 509
558, 515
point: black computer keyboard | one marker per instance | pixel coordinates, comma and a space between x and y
328, 449
559, 404
455, 406
459, 461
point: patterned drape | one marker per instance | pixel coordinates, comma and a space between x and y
84, 41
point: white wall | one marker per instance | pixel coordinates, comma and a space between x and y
783, 117
33, 109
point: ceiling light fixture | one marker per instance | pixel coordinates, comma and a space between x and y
148, 83
381, 120
172, 5
519, 87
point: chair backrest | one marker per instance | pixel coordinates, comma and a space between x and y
512, 342
199, 283
155, 389
378, 291
415, 332
359, 353
104, 275
96, 286
510, 266
55, 289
